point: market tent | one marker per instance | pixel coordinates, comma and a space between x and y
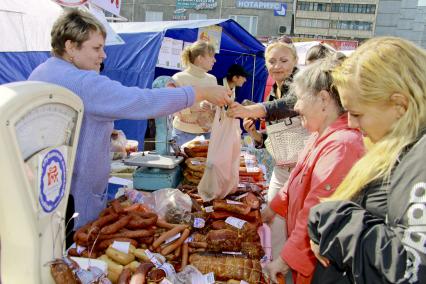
145, 38
134, 63
25, 29
25, 36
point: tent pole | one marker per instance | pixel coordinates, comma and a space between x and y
252, 77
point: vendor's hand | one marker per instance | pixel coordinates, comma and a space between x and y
217, 95
237, 110
275, 267
267, 215
322, 259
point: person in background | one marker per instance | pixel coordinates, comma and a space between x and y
316, 52
372, 229
78, 41
198, 58
235, 77
329, 154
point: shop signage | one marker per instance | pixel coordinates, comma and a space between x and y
260, 5
282, 11
196, 4
179, 17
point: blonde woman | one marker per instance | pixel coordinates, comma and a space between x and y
281, 59
198, 58
372, 230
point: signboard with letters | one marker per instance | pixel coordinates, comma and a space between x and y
260, 5
196, 4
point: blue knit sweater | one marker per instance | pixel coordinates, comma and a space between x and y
104, 101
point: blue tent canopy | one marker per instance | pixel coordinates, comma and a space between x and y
133, 63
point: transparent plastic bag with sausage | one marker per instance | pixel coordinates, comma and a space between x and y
221, 174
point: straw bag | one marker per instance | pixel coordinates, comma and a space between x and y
285, 140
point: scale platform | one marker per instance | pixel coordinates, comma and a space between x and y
153, 160
155, 171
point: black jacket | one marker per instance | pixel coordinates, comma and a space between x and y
381, 237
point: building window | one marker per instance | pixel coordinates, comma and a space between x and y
247, 22
153, 16
336, 7
351, 25
195, 16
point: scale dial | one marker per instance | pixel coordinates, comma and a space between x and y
45, 126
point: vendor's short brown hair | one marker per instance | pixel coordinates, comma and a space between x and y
75, 25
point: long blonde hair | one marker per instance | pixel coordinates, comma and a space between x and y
196, 49
381, 67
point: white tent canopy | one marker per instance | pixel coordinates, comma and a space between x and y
25, 25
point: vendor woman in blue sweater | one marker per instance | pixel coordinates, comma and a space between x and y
78, 41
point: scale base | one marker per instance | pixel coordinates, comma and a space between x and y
154, 178
153, 160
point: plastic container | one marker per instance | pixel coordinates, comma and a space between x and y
132, 146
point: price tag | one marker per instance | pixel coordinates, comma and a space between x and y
209, 209
241, 196
252, 169
233, 202
189, 239
153, 258
168, 268
80, 249
121, 246
236, 222
243, 282
166, 281
195, 162
199, 223
241, 185
175, 237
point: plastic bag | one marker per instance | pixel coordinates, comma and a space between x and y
223, 158
170, 201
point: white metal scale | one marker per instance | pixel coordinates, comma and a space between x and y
39, 129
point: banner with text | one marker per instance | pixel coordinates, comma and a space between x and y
196, 4
261, 5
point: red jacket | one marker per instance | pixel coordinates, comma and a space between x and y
321, 167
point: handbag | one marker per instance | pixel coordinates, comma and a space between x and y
286, 139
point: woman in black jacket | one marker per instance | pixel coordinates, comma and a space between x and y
373, 228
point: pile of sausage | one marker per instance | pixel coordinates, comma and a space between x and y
236, 248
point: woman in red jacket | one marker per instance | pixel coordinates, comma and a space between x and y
328, 155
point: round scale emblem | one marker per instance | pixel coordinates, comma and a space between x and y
52, 180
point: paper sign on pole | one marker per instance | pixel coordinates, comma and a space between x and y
112, 37
175, 58
112, 6
165, 53
212, 34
